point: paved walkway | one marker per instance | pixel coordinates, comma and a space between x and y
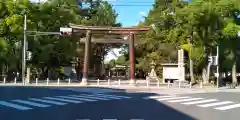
141, 87
163, 89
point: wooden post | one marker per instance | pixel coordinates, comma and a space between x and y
132, 59
86, 58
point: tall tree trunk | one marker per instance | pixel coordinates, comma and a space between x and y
234, 73
191, 69
206, 68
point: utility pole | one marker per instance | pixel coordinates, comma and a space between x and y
24, 49
217, 63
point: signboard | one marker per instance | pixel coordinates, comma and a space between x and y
170, 72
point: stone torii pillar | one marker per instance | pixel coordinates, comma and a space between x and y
86, 58
132, 58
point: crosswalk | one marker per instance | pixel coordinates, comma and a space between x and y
49, 101
197, 101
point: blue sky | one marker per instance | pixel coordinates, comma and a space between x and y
132, 14
129, 15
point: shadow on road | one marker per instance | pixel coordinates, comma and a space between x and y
124, 109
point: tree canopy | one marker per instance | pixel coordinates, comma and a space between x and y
50, 51
205, 24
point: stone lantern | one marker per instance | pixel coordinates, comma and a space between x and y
152, 75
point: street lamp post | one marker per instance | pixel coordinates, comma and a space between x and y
24, 49
217, 63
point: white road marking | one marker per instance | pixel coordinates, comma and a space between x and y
172, 98
184, 100
31, 103
155, 97
91, 97
202, 101
48, 101
228, 107
103, 96
76, 98
94, 97
19, 107
215, 104
61, 99
113, 95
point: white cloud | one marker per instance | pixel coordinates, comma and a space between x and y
143, 14
114, 54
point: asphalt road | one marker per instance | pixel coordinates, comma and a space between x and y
30, 103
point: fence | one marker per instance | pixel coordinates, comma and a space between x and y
98, 82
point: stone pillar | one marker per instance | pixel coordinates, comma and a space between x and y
28, 75
181, 67
132, 59
86, 58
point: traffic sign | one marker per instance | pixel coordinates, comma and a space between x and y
29, 55
65, 31
210, 59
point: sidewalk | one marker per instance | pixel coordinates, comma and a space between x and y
126, 87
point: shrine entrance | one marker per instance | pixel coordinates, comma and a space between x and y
118, 72
106, 35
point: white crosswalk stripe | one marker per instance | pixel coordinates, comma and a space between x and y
77, 98
31, 103
199, 102
92, 97
202, 101
215, 104
48, 101
62, 99
171, 98
114, 95
185, 100
104, 96
16, 106
228, 107
155, 97
111, 97
57, 100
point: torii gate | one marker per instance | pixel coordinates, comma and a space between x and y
90, 31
